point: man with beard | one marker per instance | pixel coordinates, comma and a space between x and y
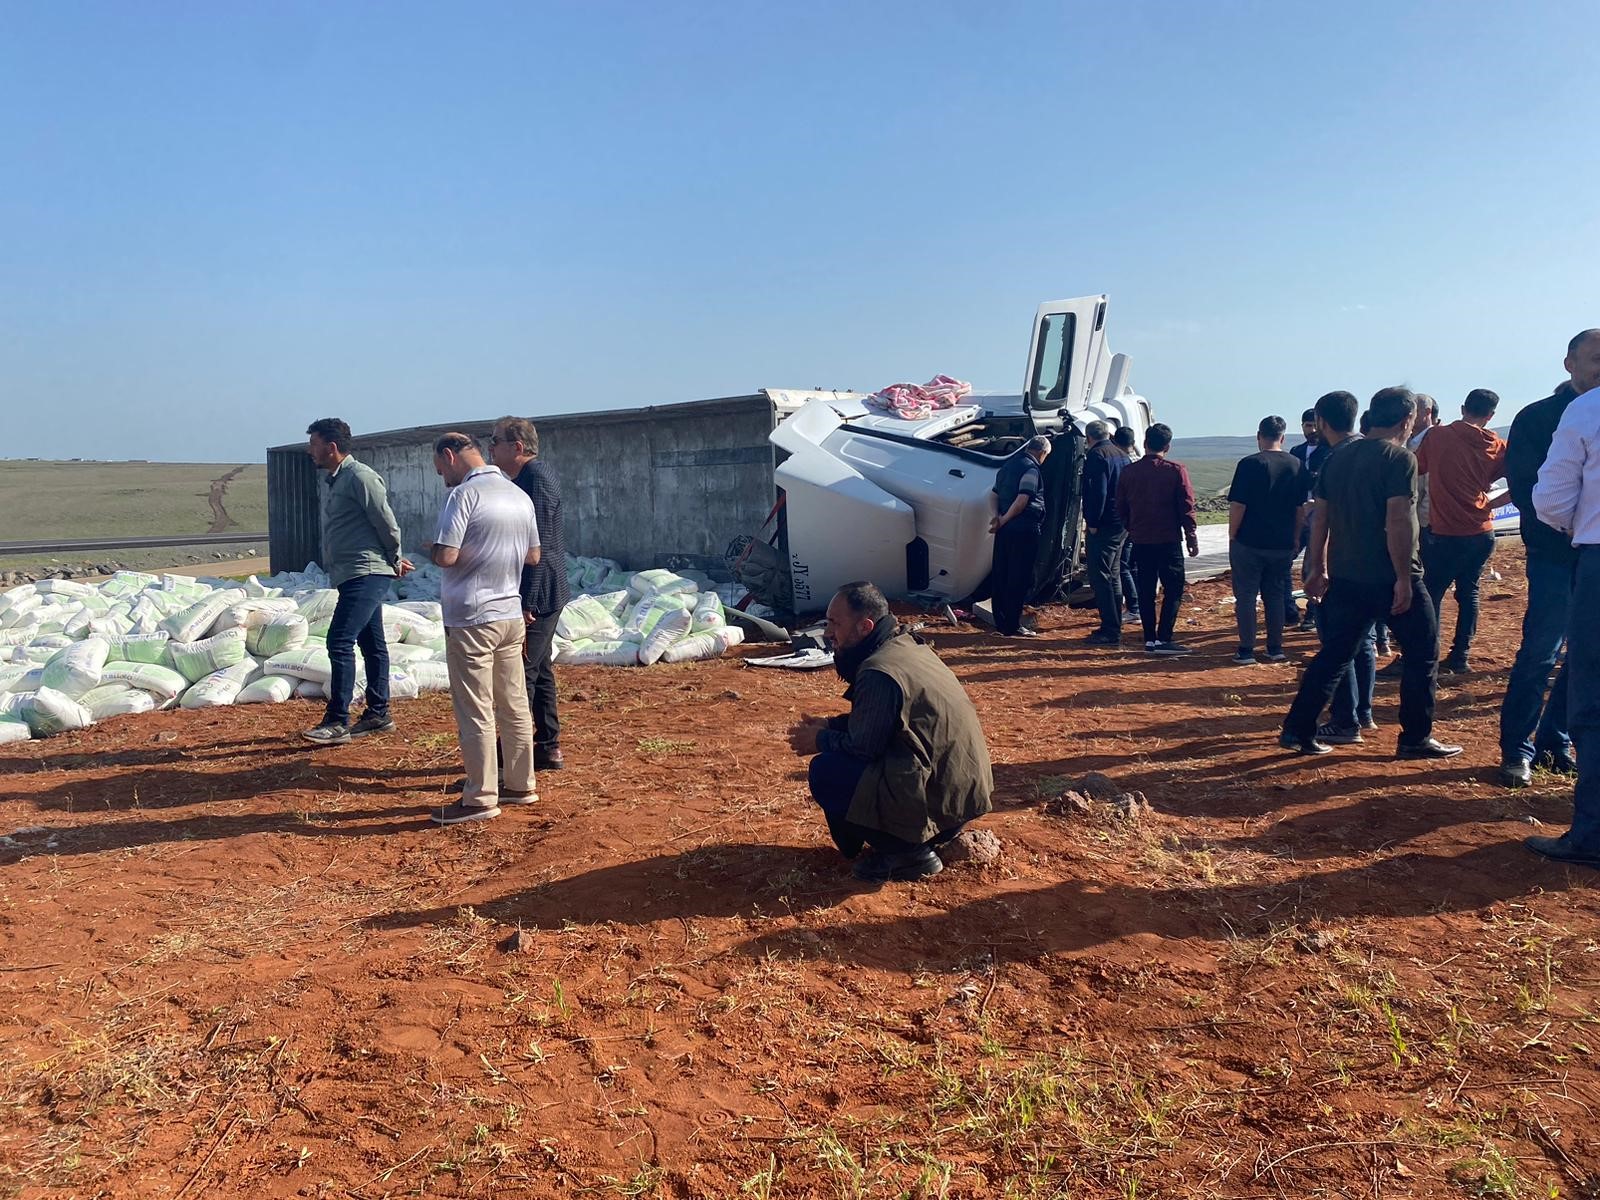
906, 768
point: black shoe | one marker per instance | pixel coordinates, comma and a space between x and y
548, 760
1101, 638
1243, 658
328, 735
1515, 772
1454, 666
459, 814
1301, 745
1339, 735
1393, 669
1308, 624
903, 867
1274, 656
1562, 850
381, 723
1167, 649
1426, 748
1556, 762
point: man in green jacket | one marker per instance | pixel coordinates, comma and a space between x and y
907, 767
361, 553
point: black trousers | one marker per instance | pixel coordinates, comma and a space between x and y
1103, 558
1016, 547
541, 678
1346, 612
1161, 562
1457, 561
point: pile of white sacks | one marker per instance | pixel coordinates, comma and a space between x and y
635, 620
75, 653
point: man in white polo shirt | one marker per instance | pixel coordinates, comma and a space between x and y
487, 530
1567, 498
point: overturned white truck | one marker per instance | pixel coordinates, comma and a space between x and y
865, 494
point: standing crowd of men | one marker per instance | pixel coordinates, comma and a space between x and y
1391, 510
500, 549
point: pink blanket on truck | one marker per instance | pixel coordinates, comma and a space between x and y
916, 402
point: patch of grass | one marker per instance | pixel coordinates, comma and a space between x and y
657, 745
1493, 1174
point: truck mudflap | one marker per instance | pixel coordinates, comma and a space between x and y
1059, 541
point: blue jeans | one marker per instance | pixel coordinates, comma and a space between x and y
1458, 561
1103, 556
1352, 691
1345, 617
1265, 573
833, 779
1529, 725
1583, 700
358, 621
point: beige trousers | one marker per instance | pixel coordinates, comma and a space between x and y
489, 695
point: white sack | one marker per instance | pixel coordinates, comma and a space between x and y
116, 700
48, 712
280, 632
196, 660
269, 689
671, 627
194, 622
585, 619
140, 647
221, 687
75, 670
305, 663
164, 683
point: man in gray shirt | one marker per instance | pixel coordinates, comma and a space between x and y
361, 553
487, 531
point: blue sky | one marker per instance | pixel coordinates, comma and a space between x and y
220, 221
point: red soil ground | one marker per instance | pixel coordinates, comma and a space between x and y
234, 966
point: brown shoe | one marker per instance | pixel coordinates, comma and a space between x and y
518, 797
548, 760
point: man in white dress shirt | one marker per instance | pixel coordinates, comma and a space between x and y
1567, 497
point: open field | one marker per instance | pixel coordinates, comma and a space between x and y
82, 500
236, 967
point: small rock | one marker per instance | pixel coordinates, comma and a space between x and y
1530, 819
1071, 804
165, 736
578, 697
520, 942
1130, 806
971, 845
965, 994
1318, 940
730, 694
1099, 787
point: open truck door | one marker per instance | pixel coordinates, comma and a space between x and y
1063, 368
1064, 355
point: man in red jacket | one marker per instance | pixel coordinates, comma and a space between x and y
1156, 505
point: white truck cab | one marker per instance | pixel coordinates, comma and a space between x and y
906, 504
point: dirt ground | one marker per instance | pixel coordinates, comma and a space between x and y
234, 966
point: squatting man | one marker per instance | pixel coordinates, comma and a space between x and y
906, 768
